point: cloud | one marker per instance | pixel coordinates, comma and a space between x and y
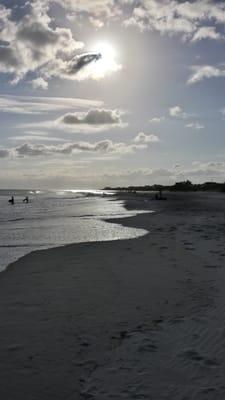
205, 170
39, 83
82, 60
34, 43
195, 125
93, 120
157, 119
201, 72
160, 16
32, 137
189, 19
103, 146
90, 65
98, 12
177, 112
144, 139
97, 23
206, 32
40, 105
199, 172
209, 164
31, 42
83, 66
140, 176
93, 117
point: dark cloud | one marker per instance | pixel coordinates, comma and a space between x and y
27, 149
37, 34
92, 117
82, 60
8, 56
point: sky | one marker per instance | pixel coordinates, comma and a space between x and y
97, 93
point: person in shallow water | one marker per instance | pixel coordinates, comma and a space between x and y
11, 201
26, 200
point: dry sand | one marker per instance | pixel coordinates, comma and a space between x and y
133, 319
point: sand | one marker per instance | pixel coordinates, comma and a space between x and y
133, 319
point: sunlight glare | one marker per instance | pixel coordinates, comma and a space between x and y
107, 63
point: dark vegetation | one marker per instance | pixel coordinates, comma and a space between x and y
184, 186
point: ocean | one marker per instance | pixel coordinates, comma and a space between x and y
55, 218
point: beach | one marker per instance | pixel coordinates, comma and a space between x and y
139, 318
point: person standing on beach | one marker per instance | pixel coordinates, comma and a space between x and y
12, 200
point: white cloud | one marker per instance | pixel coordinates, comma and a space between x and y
98, 11
142, 138
39, 105
97, 23
199, 172
35, 138
188, 19
209, 164
157, 119
195, 125
177, 112
160, 16
141, 176
203, 171
35, 43
201, 72
206, 32
39, 83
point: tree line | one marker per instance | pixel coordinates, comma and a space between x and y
183, 186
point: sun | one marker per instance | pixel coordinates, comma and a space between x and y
107, 62
105, 49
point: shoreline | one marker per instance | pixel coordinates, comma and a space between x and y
43, 248
135, 318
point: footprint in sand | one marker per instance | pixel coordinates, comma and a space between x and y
191, 355
211, 362
194, 355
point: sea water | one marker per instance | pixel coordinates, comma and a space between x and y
54, 218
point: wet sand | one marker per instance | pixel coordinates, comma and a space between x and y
133, 319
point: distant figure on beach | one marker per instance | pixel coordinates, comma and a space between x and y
11, 201
26, 200
160, 196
